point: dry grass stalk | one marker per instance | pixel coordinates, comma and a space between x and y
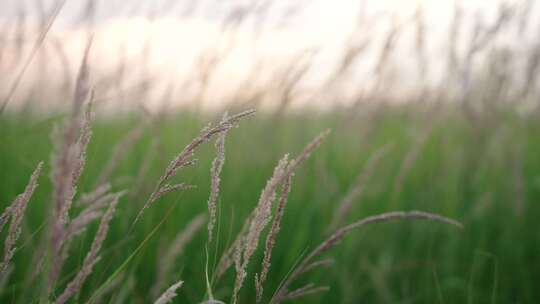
68, 165
185, 157
213, 301
17, 210
119, 152
309, 289
166, 263
317, 264
68, 161
358, 187
215, 172
82, 83
312, 146
169, 294
262, 214
94, 211
88, 198
172, 188
238, 265
271, 239
5, 215
283, 292
5, 276
81, 146
92, 256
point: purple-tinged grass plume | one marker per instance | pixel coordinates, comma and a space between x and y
283, 292
271, 238
68, 161
215, 172
17, 210
169, 294
92, 257
185, 158
262, 213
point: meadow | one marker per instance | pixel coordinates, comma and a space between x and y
486, 179
391, 162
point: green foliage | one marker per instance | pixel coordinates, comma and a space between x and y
461, 171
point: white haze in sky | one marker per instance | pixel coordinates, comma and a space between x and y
171, 42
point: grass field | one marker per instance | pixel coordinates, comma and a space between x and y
486, 177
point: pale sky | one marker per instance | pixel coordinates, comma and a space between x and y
180, 32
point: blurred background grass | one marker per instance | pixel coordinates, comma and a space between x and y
459, 171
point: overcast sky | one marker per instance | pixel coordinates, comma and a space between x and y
327, 11
179, 31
